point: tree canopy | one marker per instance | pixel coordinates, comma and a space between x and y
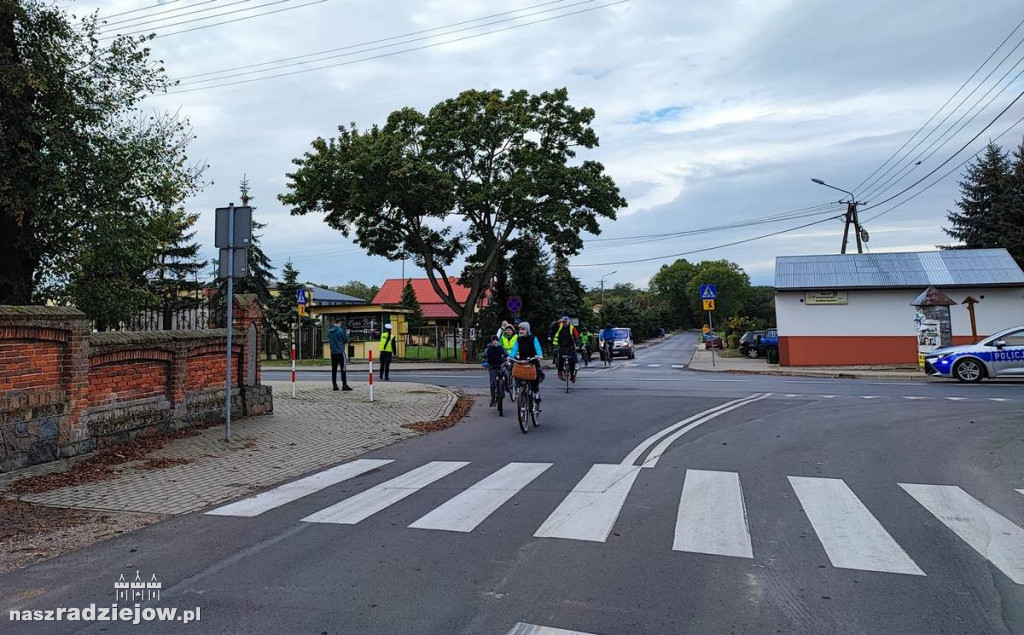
82, 173
459, 182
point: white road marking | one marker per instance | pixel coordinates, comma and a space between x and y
997, 399
361, 506
895, 383
792, 395
522, 628
721, 381
916, 398
955, 398
662, 447
654, 366
851, 536
631, 365
265, 501
828, 396
1000, 541
712, 517
590, 510
870, 397
678, 365
473, 506
694, 420
1021, 491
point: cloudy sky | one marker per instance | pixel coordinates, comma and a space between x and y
710, 114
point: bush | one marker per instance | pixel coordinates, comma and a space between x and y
733, 341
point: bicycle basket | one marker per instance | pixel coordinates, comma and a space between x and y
524, 372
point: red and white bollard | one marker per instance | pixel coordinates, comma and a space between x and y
371, 375
293, 371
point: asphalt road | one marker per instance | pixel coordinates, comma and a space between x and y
660, 368
649, 500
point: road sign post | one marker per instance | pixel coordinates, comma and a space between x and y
708, 295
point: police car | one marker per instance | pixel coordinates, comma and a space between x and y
999, 355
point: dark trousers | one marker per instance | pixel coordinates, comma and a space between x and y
338, 361
385, 365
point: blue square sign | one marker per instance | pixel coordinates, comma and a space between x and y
708, 292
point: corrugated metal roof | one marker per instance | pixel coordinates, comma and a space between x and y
949, 268
326, 297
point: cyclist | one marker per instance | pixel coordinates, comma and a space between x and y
606, 339
565, 341
508, 338
585, 342
494, 359
527, 347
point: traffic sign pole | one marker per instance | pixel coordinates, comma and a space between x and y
711, 323
230, 321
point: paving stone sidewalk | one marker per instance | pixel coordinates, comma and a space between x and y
702, 361
317, 429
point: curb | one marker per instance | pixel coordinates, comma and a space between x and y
823, 374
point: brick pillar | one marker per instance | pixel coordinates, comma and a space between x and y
75, 366
248, 324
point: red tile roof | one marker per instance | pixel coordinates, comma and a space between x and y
430, 303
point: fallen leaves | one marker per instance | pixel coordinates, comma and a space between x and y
461, 409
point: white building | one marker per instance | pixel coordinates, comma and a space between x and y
855, 309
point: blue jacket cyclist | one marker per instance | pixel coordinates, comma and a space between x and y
527, 346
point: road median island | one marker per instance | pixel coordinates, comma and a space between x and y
65, 505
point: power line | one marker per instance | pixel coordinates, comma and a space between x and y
948, 115
364, 48
393, 53
904, 172
155, 6
944, 176
782, 216
953, 156
149, 19
210, 17
936, 113
364, 44
697, 251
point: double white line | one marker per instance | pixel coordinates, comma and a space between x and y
670, 434
590, 510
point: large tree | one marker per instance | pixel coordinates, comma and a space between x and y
460, 182
80, 170
984, 203
1011, 222
409, 301
669, 285
567, 291
357, 289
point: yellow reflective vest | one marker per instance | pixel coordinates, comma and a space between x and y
508, 342
387, 343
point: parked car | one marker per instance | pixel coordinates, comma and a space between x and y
712, 340
768, 344
749, 344
623, 344
998, 355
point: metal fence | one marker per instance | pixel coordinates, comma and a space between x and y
439, 343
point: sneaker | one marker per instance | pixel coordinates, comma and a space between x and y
348, 388
492, 404
336, 388
561, 376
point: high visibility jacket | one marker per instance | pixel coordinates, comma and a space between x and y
387, 343
508, 343
573, 335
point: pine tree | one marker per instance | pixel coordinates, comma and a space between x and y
174, 277
409, 301
529, 278
1011, 222
260, 277
282, 311
984, 202
567, 291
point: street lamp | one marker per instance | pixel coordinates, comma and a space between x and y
602, 286
851, 217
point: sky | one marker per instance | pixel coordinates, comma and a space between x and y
709, 114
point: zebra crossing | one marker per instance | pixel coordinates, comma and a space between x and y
711, 518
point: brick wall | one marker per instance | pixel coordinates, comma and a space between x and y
65, 391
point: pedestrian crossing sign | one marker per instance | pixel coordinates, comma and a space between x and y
709, 305
708, 292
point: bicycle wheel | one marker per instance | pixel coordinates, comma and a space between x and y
534, 411
523, 409
566, 373
499, 392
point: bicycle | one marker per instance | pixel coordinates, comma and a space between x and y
585, 355
606, 353
498, 389
527, 410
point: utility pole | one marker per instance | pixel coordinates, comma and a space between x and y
602, 287
851, 219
